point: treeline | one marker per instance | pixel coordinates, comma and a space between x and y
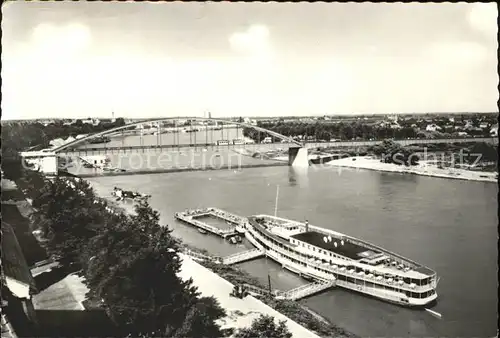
130, 262
327, 131
479, 154
357, 130
20, 136
392, 152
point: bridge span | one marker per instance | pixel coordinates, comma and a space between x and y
113, 148
209, 138
207, 132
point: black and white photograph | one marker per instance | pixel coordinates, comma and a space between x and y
228, 169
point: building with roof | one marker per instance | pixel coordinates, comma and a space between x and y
18, 287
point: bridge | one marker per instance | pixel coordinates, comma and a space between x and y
211, 136
306, 290
294, 294
167, 135
244, 256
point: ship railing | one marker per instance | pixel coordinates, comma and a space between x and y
329, 267
226, 215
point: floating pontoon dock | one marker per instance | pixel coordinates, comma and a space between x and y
233, 221
237, 226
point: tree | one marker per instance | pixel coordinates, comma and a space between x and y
119, 122
133, 269
392, 152
200, 320
68, 216
264, 327
31, 183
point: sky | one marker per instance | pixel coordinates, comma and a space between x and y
89, 59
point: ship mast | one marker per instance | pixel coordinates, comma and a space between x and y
276, 203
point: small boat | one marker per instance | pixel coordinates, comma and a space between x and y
202, 231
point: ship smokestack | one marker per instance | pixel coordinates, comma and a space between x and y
307, 225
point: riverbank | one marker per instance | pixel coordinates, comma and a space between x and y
424, 169
291, 309
175, 170
240, 312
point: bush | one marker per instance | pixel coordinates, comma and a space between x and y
392, 152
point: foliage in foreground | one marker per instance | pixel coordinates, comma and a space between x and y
264, 327
130, 262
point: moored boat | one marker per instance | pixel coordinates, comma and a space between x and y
352, 263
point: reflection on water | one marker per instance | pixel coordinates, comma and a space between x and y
298, 176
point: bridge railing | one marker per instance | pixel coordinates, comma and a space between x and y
241, 256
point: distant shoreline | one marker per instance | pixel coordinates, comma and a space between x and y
424, 169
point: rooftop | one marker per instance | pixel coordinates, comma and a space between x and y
13, 262
348, 249
30, 247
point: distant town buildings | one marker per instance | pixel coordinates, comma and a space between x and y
432, 127
249, 121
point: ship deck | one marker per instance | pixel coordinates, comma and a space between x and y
349, 250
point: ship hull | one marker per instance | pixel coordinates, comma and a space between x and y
309, 272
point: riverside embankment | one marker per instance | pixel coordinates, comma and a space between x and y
424, 168
240, 312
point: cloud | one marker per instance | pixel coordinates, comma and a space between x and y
254, 42
60, 41
483, 17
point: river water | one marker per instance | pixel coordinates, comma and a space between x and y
448, 225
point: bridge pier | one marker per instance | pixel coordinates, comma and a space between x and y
298, 157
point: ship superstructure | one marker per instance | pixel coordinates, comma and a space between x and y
353, 264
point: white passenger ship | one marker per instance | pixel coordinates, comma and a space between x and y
353, 264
